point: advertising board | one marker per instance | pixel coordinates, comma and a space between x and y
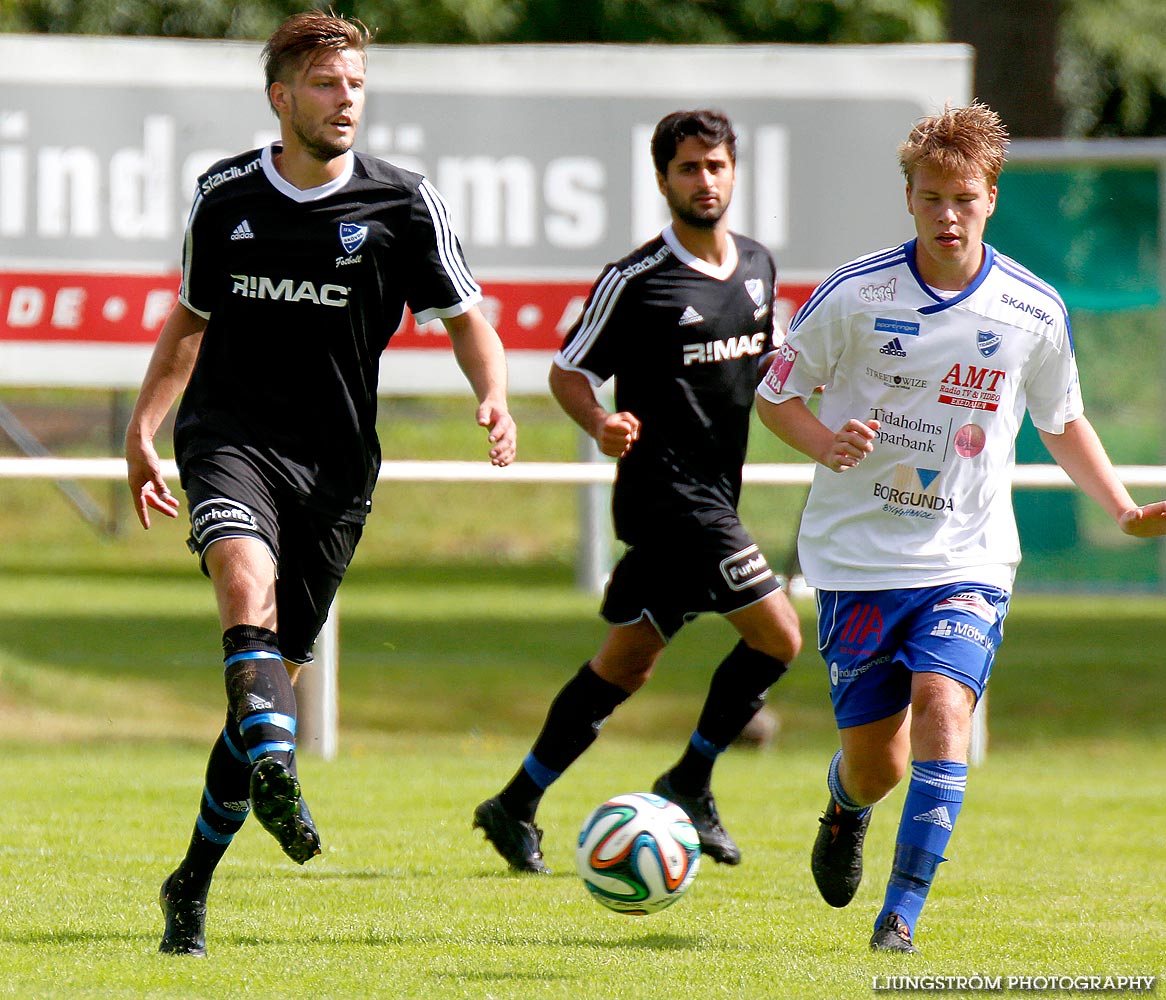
541, 153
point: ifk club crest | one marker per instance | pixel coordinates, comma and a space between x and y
352, 236
988, 342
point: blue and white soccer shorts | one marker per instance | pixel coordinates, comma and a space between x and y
873, 641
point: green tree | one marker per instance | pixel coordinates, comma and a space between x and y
1112, 77
172, 18
1110, 54
457, 21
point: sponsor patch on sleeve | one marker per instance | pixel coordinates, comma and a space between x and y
783, 364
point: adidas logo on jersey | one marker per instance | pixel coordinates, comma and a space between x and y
939, 816
690, 316
894, 348
243, 231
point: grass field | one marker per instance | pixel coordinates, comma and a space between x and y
110, 694
459, 622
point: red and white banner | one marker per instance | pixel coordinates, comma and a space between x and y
39, 307
97, 329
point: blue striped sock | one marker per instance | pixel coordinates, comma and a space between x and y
934, 798
834, 783
261, 698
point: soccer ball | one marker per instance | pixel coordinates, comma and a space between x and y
638, 853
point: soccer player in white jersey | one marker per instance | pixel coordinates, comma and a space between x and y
927, 355
297, 264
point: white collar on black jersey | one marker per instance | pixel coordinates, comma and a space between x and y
283, 186
722, 273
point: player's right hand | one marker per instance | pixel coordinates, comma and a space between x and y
851, 444
617, 434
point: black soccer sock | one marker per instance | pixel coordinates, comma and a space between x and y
736, 694
259, 693
221, 814
572, 724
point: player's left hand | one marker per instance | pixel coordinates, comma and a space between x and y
1144, 522
503, 432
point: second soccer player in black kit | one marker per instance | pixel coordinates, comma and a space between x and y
298, 262
685, 325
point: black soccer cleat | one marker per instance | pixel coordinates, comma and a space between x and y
893, 934
836, 860
280, 808
518, 841
185, 932
702, 810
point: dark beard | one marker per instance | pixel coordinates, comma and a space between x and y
318, 150
690, 217
697, 221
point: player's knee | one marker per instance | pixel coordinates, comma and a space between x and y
755, 670
787, 642
870, 780
776, 633
628, 672
781, 644
873, 787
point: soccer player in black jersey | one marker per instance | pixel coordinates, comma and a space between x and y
684, 325
298, 262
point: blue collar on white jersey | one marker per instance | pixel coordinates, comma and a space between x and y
941, 304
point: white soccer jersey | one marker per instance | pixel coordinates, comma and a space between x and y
949, 380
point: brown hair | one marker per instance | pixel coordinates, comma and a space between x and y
305, 36
964, 141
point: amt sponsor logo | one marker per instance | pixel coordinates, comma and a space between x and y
972, 386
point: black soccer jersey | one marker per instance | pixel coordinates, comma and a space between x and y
303, 290
682, 340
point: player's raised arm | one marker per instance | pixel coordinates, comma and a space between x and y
166, 376
1080, 453
480, 355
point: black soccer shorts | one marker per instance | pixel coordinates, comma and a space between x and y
229, 498
672, 579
